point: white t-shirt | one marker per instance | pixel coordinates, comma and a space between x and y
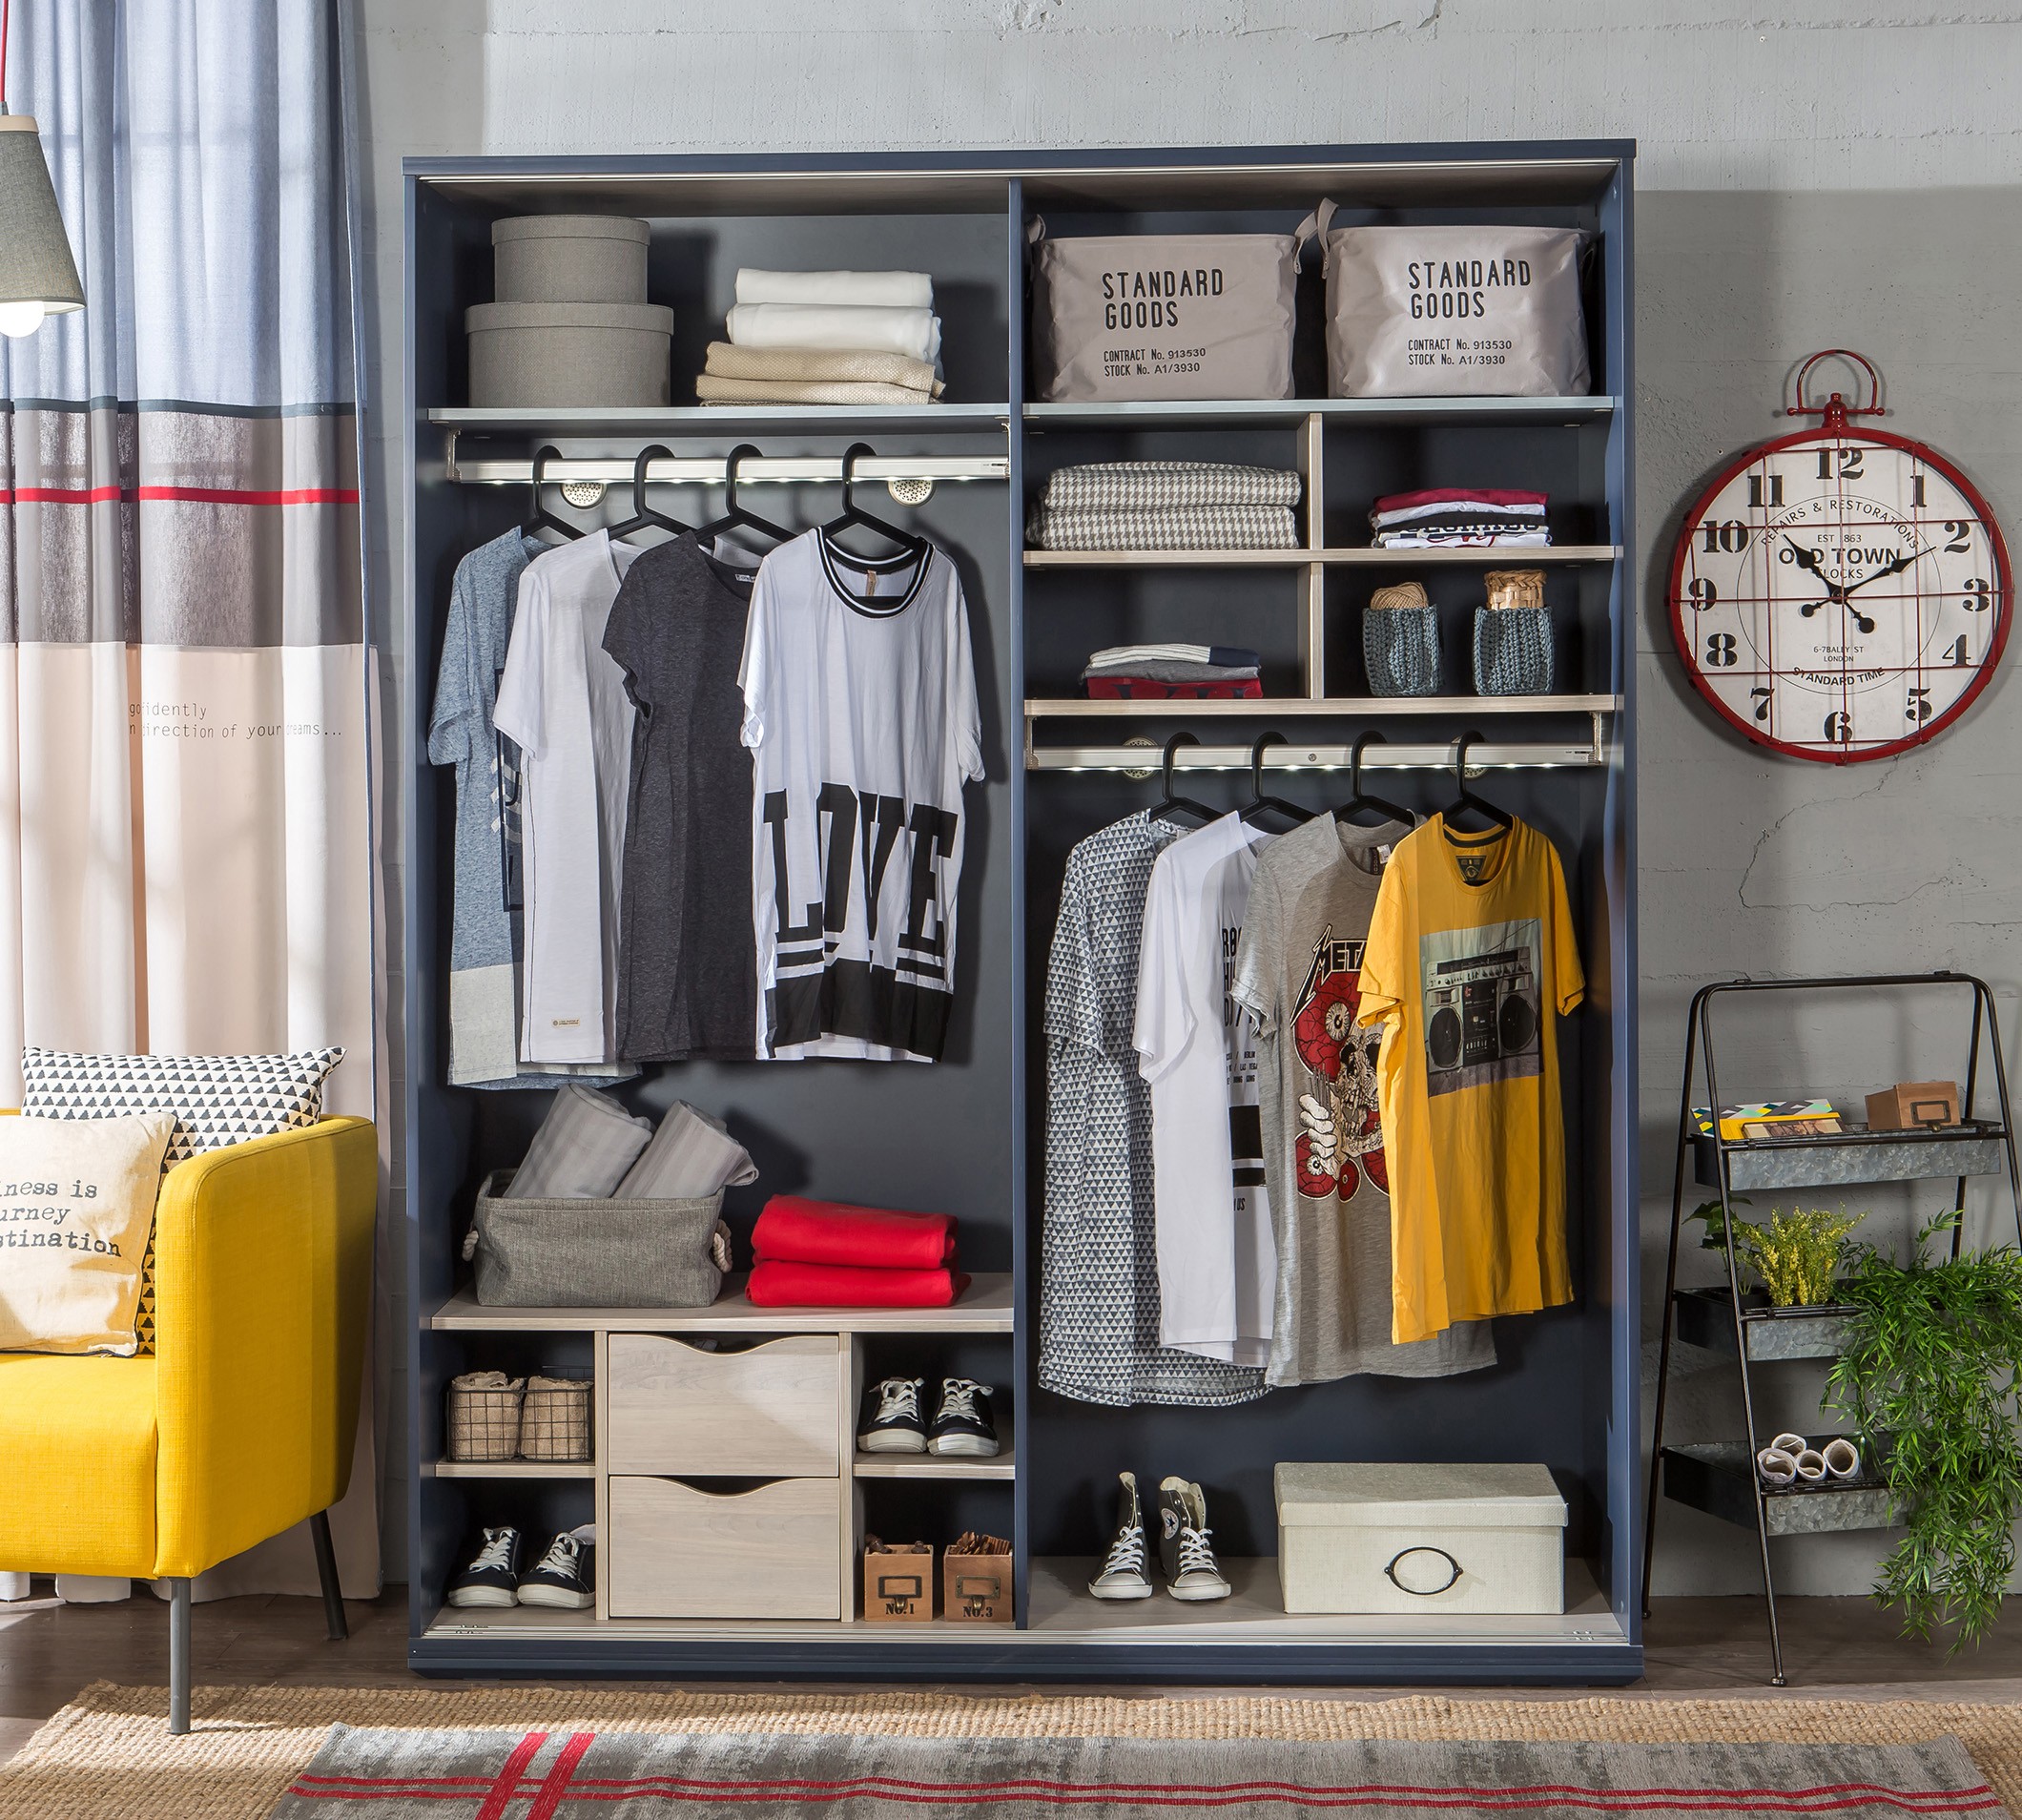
862, 722
562, 701
1218, 1258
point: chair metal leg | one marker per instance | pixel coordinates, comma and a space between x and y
179, 1657
326, 1571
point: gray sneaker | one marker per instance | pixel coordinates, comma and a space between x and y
1186, 1543
1123, 1574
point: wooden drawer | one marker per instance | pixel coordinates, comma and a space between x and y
676, 1551
772, 1411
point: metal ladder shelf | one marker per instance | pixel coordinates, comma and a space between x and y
1720, 1477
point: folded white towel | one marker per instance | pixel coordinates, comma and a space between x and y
894, 290
915, 333
691, 1155
582, 1149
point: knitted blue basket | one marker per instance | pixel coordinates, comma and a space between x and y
1513, 650
1400, 650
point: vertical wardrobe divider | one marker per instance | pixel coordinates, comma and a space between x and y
967, 1136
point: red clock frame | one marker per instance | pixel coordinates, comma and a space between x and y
1836, 428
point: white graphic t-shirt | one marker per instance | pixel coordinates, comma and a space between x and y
859, 708
562, 701
1218, 1267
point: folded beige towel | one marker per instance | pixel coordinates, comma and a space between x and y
727, 391
819, 365
486, 1380
557, 1383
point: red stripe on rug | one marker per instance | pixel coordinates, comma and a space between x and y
201, 495
548, 1797
507, 1783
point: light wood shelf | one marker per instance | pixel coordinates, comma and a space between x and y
718, 420
511, 1469
999, 1466
984, 1307
1449, 556
1331, 706
1349, 412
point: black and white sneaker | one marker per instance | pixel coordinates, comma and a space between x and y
492, 1576
566, 1577
962, 1424
1186, 1544
890, 1423
1121, 1574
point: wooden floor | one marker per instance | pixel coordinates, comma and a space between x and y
1839, 1647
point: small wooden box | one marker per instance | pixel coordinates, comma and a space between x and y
897, 1586
975, 1589
1910, 1104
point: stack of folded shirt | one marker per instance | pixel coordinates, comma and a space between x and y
1450, 515
1166, 505
1169, 673
829, 1255
827, 338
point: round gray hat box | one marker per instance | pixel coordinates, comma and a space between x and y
525, 355
570, 258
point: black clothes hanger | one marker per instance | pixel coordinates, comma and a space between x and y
1164, 810
644, 515
909, 543
1359, 802
1258, 801
1467, 800
542, 518
737, 517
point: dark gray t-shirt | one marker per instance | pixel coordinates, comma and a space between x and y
1324, 1164
688, 965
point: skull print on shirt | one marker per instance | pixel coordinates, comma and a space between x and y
1343, 1135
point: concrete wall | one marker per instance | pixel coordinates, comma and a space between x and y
1841, 175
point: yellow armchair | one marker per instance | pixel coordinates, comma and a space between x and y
241, 1424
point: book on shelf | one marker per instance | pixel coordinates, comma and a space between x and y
1770, 1118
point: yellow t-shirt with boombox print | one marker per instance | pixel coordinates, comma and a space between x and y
1470, 962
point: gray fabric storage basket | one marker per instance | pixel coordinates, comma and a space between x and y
570, 258
1513, 650
1152, 315
593, 1253
1400, 650
569, 354
1420, 312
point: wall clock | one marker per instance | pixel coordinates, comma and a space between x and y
1840, 595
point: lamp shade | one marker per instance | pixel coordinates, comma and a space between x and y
36, 263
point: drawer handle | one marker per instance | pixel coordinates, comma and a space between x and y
1452, 1577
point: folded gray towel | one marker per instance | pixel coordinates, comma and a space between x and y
582, 1150
691, 1155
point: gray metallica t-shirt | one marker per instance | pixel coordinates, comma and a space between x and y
1323, 1163
688, 965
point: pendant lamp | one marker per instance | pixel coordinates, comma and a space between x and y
37, 275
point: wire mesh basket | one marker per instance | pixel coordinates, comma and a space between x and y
485, 1424
555, 1420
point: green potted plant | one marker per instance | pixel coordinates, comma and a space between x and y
1930, 1379
1796, 1255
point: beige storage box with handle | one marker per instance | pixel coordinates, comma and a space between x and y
1373, 1537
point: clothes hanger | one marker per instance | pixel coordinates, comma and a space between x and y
1258, 801
1359, 802
542, 518
909, 543
1467, 800
1159, 811
737, 517
644, 515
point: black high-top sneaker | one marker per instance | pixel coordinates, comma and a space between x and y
1123, 1574
1186, 1543
492, 1576
890, 1423
962, 1424
565, 1576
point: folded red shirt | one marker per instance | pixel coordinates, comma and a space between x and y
779, 1283
1145, 689
807, 1232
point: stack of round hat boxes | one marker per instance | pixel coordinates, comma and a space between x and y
571, 326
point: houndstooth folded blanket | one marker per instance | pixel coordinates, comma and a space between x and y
818, 366
1178, 527
1149, 486
711, 390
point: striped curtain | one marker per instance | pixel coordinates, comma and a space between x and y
184, 771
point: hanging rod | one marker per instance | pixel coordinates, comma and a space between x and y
1145, 759
708, 471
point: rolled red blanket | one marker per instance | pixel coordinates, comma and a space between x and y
780, 1283
804, 1231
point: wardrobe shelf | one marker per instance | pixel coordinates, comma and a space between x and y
984, 1307
511, 1469
1349, 412
714, 419
1002, 1466
1331, 706
1475, 555
1719, 1479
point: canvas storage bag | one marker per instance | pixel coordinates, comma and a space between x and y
571, 1253
1488, 311
1162, 316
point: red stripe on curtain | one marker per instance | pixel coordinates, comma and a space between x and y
204, 495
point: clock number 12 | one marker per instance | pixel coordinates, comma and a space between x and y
1849, 460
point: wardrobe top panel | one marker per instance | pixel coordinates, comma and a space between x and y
1541, 174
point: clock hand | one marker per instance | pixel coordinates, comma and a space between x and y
1895, 567
1811, 562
